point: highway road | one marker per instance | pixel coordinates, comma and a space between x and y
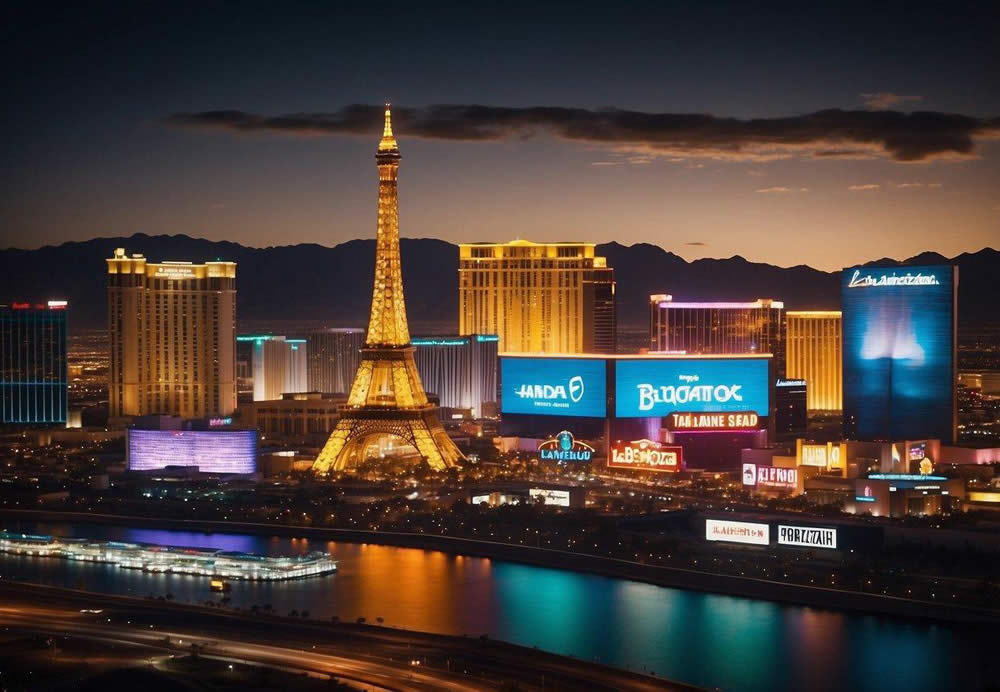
379, 660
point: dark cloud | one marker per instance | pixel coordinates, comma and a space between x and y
907, 137
697, 243
883, 100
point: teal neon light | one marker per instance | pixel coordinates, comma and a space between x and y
864, 499
904, 477
487, 338
440, 342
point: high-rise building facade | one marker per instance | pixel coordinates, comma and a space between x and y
538, 297
461, 370
718, 328
813, 353
33, 371
172, 332
276, 365
334, 356
900, 334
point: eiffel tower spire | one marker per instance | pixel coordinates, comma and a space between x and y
387, 399
387, 323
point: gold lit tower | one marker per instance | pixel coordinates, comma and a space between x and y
387, 399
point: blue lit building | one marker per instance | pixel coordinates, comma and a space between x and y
33, 373
461, 370
899, 343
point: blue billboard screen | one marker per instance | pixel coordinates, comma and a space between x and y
649, 387
899, 352
553, 386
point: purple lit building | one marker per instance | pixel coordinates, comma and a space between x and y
223, 450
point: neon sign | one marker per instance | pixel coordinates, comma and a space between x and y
714, 421
907, 279
776, 477
646, 455
564, 447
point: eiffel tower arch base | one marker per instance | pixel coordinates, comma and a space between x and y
356, 429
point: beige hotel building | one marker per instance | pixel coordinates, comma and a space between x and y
813, 353
537, 297
172, 329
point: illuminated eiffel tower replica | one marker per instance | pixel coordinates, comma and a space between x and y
387, 399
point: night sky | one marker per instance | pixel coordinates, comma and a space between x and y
789, 135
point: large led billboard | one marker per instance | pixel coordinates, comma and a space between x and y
650, 387
899, 352
211, 451
553, 386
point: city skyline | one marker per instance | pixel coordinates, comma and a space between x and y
816, 150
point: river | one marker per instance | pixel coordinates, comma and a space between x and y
703, 639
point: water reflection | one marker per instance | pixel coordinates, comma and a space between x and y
705, 639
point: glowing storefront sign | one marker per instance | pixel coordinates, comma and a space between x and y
749, 474
219, 422
744, 420
559, 498
904, 477
653, 387
553, 386
807, 536
646, 455
828, 455
737, 532
564, 447
814, 455
479, 499
777, 477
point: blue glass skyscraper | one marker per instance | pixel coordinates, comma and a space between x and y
899, 352
33, 372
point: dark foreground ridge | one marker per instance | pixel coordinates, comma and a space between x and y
696, 580
386, 658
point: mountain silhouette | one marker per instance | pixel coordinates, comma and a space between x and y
333, 284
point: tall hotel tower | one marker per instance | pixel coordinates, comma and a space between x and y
538, 297
387, 399
172, 329
814, 354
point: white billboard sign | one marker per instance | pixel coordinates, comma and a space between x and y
807, 536
737, 532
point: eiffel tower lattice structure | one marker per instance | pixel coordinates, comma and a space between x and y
387, 399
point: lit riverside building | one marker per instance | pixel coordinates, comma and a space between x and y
461, 370
33, 371
538, 297
172, 329
718, 328
813, 354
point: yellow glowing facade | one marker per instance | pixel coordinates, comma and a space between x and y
172, 329
813, 354
387, 398
537, 297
